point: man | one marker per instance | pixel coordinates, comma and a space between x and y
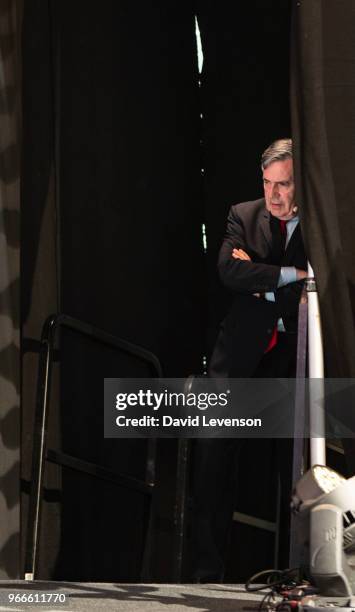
263, 263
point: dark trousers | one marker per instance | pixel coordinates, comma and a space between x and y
216, 464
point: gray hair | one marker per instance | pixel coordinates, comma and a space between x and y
277, 151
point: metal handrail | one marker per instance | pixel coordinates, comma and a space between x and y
50, 327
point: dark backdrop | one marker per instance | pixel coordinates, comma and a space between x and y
323, 92
125, 155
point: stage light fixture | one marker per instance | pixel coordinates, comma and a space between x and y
324, 502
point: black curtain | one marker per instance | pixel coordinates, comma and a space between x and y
10, 164
131, 247
323, 115
112, 196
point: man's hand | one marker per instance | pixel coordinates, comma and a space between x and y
240, 254
301, 274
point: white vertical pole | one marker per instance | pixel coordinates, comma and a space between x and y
316, 371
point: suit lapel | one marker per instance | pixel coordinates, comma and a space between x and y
265, 226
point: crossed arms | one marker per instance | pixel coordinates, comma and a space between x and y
240, 274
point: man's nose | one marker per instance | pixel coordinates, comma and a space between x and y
275, 191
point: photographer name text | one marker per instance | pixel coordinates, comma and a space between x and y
190, 421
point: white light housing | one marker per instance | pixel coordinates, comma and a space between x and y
316, 482
327, 479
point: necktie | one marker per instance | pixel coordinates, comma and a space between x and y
283, 233
278, 240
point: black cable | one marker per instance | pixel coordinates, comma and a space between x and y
279, 582
275, 579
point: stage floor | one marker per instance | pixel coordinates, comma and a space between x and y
129, 597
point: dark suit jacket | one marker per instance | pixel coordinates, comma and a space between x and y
247, 329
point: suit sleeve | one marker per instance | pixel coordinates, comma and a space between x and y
239, 275
287, 298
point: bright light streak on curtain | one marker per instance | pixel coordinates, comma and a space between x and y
199, 46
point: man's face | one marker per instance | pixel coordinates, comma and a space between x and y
279, 189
